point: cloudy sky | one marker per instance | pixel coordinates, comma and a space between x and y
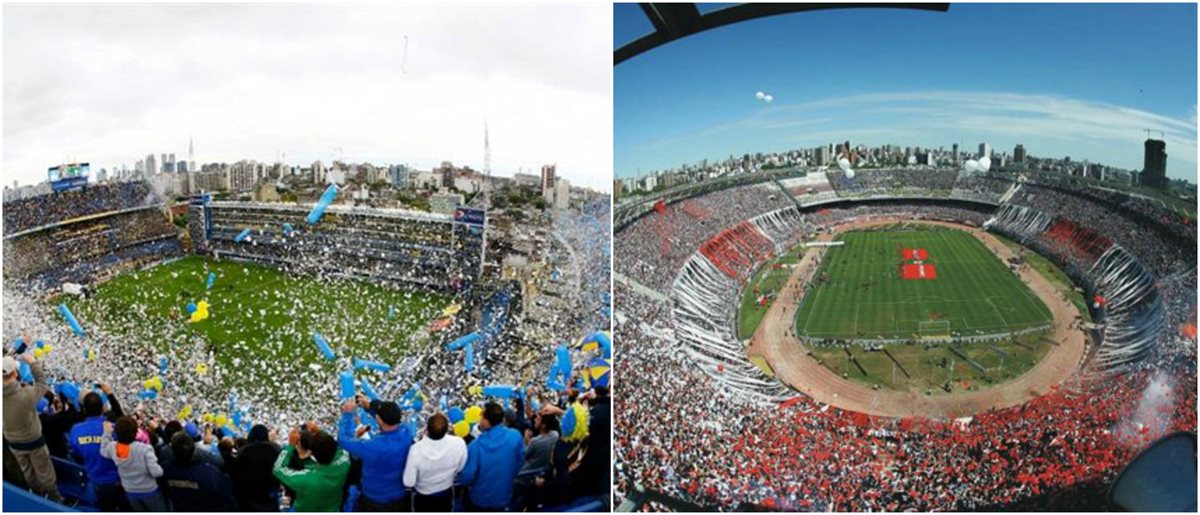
1077, 80
378, 83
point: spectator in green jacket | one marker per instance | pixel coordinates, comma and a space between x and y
319, 485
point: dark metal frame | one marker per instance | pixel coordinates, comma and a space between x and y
677, 21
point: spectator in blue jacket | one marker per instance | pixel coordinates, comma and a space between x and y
194, 485
84, 440
383, 456
493, 460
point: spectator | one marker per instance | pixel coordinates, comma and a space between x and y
318, 485
23, 430
195, 485
538, 451
85, 446
166, 453
254, 484
493, 460
432, 464
136, 464
382, 489
57, 418
595, 469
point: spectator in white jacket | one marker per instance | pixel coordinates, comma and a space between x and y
432, 465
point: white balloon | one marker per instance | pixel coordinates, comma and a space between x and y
768, 99
971, 165
760, 95
844, 164
912, 160
849, 174
984, 164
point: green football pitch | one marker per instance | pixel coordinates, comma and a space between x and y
261, 321
858, 291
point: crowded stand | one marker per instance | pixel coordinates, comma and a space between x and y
658, 243
814, 187
1157, 244
406, 246
70, 243
781, 450
921, 181
85, 428
987, 186
40, 211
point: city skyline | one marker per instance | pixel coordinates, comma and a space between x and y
367, 83
1004, 74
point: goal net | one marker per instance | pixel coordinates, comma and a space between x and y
934, 328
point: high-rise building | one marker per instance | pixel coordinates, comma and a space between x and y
548, 182
1019, 153
985, 150
398, 176
150, 166
954, 153
823, 156
1154, 170
318, 173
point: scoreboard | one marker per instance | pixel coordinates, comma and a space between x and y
68, 176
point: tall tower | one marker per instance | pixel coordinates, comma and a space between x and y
191, 156
487, 167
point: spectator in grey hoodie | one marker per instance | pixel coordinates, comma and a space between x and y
539, 448
136, 464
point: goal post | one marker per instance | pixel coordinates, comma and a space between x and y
933, 328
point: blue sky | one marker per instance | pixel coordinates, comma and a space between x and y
1078, 80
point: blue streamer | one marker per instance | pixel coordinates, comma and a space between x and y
70, 318
323, 346
318, 210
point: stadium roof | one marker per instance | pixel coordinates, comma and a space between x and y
676, 21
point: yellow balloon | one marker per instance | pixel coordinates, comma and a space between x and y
154, 383
185, 412
462, 428
220, 420
201, 369
473, 415
475, 390
207, 417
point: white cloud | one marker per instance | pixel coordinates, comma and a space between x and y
110, 84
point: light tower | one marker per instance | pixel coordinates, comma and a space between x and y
487, 167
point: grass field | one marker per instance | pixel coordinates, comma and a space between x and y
769, 281
261, 321
858, 292
934, 367
1053, 274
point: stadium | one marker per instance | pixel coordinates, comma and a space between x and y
229, 321
898, 338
